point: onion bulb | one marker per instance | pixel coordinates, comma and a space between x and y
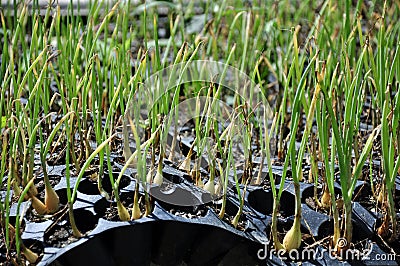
38, 206
122, 212
210, 187
33, 191
158, 179
30, 256
326, 199
185, 166
136, 214
51, 199
292, 238
235, 220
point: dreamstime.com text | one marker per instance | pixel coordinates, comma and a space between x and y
318, 254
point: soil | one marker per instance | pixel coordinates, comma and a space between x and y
261, 201
310, 200
189, 212
57, 158
5, 258
89, 186
59, 234
230, 212
283, 227
61, 237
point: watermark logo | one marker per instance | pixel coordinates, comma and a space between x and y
342, 242
193, 114
362, 254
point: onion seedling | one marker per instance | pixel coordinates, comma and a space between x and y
8, 136
390, 164
141, 169
130, 158
20, 247
328, 199
292, 239
225, 176
384, 74
51, 197
72, 196
344, 137
210, 185
185, 165
75, 231
276, 196
240, 196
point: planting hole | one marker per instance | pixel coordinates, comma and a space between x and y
100, 206
62, 195
307, 197
109, 211
90, 186
231, 210
125, 181
60, 234
261, 201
